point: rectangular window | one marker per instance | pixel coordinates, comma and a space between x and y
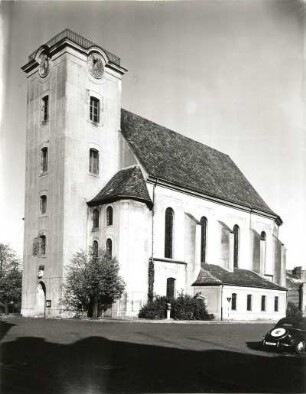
249, 302
44, 160
42, 245
276, 304
45, 109
43, 204
94, 110
93, 161
263, 303
234, 301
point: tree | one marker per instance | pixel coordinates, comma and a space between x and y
92, 282
10, 277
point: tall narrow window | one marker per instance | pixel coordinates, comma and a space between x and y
94, 110
276, 304
42, 245
203, 239
249, 302
43, 204
263, 303
94, 161
236, 245
169, 232
44, 160
45, 109
109, 247
109, 216
234, 301
95, 248
95, 218
262, 252
170, 287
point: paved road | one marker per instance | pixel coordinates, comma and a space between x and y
69, 356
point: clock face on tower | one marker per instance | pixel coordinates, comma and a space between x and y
43, 65
95, 65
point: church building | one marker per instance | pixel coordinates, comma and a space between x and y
179, 216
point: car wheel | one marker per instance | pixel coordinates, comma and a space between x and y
300, 347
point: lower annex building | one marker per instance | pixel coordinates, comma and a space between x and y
175, 213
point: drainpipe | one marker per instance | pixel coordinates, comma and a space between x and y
153, 211
221, 302
151, 280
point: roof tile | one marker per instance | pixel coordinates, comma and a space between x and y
128, 183
211, 274
179, 160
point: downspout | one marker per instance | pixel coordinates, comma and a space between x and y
151, 270
153, 211
222, 302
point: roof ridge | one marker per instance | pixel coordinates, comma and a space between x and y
176, 132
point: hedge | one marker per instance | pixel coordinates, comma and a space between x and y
184, 307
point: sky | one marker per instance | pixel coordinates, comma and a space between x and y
227, 73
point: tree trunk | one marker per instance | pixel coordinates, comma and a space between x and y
95, 308
6, 307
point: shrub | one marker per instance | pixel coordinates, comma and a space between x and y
293, 310
184, 307
155, 309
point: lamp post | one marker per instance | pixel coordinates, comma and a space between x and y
228, 306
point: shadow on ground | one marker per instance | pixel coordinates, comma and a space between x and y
4, 328
96, 365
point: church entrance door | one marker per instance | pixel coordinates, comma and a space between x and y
40, 300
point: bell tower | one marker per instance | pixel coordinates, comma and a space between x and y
72, 149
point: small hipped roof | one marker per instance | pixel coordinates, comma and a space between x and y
125, 184
211, 274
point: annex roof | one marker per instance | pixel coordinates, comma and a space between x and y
211, 274
181, 161
128, 183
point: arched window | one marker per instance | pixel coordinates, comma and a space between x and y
249, 302
94, 161
43, 203
263, 236
236, 245
94, 110
109, 216
170, 287
42, 245
234, 301
203, 239
95, 218
109, 247
95, 248
169, 232
44, 160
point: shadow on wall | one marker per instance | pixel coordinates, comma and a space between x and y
96, 365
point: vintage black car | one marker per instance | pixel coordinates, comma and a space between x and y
288, 334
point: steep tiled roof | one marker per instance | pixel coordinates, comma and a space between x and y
211, 274
126, 184
181, 161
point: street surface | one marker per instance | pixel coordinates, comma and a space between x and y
89, 357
